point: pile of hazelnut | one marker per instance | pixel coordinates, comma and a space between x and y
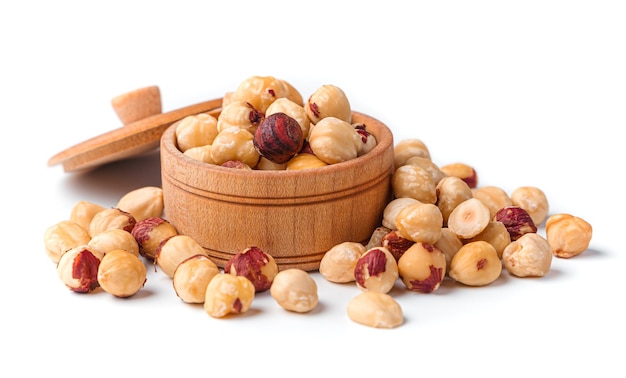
439, 224
266, 125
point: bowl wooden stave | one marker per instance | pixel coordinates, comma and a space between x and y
295, 216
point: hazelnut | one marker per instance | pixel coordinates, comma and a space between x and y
338, 263
304, 160
568, 235
495, 198
377, 237
376, 270
121, 274
449, 244
83, 212
533, 200
62, 237
228, 294
143, 202
420, 222
150, 232
422, 268
368, 140
174, 250
374, 309
278, 138
495, 234
192, 276
328, 101
475, 264
415, 182
528, 256
469, 218
334, 140
408, 148
295, 290
195, 131
111, 218
239, 114
463, 171
262, 91
234, 143
390, 213
113, 239
78, 268
254, 264
293, 110
451, 191
516, 220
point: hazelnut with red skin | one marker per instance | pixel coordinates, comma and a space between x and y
278, 138
254, 264
396, 244
376, 270
516, 220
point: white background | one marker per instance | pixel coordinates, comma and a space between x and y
529, 93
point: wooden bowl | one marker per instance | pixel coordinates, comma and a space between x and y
295, 216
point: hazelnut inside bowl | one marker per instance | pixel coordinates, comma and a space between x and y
293, 215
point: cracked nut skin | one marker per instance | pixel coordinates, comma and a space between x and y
78, 268
422, 268
376, 270
376, 310
568, 235
254, 264
396, 244
516, 220
475, 264
278, 138
149, 233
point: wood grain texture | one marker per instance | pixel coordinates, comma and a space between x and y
127, 141
296, 216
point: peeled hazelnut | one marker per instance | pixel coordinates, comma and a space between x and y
528, 256
334, 140
278, 138
295, 290
451, 191
415, 182
113, 239
475, 264
449, 244
262, 91
338, 263
422, 267
420, 222
83, 212
568, 235
228, 294
368, 140
121, 274
469, 218
143, 202
149, 233
192, 276
304, 161
293, 110
390, 213
516, 220
78, 268
495, 198
236, 164
376, 270
234, 143
239, 114
174, 250
254, 264
495, 234
111, 218
408, 148
374, 309
328, 101
463, 171
195, 131
63, 236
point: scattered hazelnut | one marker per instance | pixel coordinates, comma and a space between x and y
376, 270
495, 198
228, 294
83, 212
78, 268
174, 250
338, 263
495, 234
295, 290
62, 237
449, 244
422, 268
469, 218
568, 235
192, 276
121, 274
143, 202
149, 233
375, 309
451, 191
254, 264
408, 148
111, 218
377, 237
113, 239
415, 182
516, 220
420, 222
390, 213
463, 171
396, 243
528, 256
475, 264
